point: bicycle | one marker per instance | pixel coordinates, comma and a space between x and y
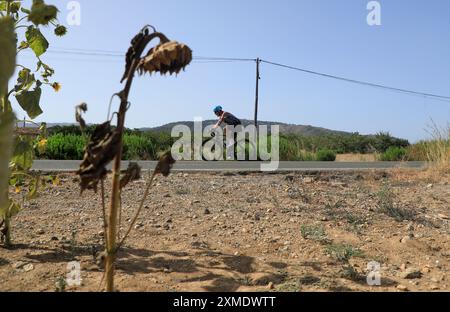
241, 147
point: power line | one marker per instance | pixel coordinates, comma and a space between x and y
213, 59
119, 54
435, 96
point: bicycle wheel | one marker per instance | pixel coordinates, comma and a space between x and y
246, 150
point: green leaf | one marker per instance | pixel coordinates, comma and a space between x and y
36, 40
6, 146
26, 11
29, 101
22, 159
8, 41
25, 80
15, 7
33, 189
23, 45
14, 209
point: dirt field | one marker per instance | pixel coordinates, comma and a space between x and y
244, 232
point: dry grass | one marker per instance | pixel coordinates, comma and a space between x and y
435, 151
356, 158
438, 150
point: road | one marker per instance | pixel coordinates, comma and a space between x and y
73, 165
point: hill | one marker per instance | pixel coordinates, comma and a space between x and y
308, 131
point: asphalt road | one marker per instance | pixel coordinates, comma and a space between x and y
73, 165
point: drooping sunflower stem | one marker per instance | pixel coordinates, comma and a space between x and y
139, 44
106, 144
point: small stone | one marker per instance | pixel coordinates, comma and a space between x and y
40, 232
429, 186
324, 219
425, 270
270, 286
169, 221
405, 239
443, 216
18, 265
28, 267
403, 267
166, 227
101, 233
54, 238
207, 212
411, 273
410, 227
434, 287
402, 288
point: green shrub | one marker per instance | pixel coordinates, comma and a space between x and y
65, 147
294, 148
326, 155
138, 148
71, 147
394, 154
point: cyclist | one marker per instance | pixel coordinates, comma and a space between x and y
225, 117
230, 120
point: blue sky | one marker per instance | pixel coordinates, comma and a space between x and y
409, 50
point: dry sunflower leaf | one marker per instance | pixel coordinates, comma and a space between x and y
100, 151
82, 108
133, 173
131, 53
165, 164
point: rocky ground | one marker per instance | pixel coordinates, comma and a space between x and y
243, 232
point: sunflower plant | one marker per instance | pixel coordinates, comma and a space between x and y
106, 143
18, 148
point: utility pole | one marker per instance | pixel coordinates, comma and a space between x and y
258, 61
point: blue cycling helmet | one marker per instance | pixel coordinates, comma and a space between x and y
218, 109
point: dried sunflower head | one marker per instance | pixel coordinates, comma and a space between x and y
42, 14
168, 57
60, 30
165, 164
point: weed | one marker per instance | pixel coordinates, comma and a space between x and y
350, 273
60, 284
386, 204
315, 233
343, 252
